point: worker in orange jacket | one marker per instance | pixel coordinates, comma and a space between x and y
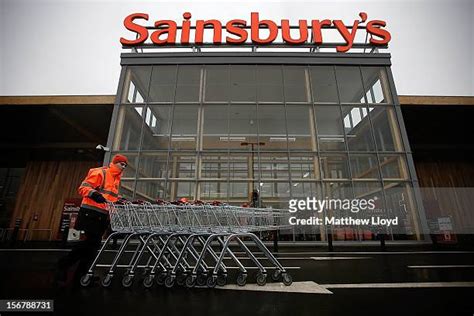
100, 186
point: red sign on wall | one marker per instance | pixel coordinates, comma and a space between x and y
68, 219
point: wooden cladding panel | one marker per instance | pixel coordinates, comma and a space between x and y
44, 188
445, 173
446, 190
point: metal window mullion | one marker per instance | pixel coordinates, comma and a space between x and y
199, 132
286, 130
173, 105
229, 67
424, 230
344, 133
377, 153
258, 141
318, 148
115, 115
145, 108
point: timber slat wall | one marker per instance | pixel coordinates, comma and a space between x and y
44, 188
434, 173
447, 188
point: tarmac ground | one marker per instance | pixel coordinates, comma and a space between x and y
346, 281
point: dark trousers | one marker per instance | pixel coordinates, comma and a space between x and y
94, 224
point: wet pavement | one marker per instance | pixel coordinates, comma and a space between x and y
359, 281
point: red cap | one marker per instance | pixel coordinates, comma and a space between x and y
120, 158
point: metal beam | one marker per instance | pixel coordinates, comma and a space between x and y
435, 100
58, 100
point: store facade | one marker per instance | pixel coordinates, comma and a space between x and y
218, 126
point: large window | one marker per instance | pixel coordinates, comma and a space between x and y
218, 132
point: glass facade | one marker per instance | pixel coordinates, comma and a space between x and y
218, 132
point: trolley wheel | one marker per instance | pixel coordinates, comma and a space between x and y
127, 280
276, 275
287, 279
107, 280
201, 279
181, 279
211, 281
86, 280
169, 281
261, 279
241, 279
190, 281
222, 279
160, 280
148, 281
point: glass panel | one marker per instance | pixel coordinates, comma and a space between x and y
156, 134
272, 127
163, 83
337, 190
401, 203
151, 190
239, 190
368, 190
136, 84
306, 189
369, 193
184, 127
215, 127
217, 83
130, 171
350, 84
358, 129
215, 166
189, 78
213, 191
251, 159
271, 191
243, 85
334, 167
153, 165
240, 166
127, 188
393, 167
387, 134
182, 165
376, 85
182, 189
129, 125
301, 134
329, 127
243, 127
304, 166
295, 84
269, 84
323, 84
273, 166
364, 167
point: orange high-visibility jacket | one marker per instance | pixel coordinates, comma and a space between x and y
106, 181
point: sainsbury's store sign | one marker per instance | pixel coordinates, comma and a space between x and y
237, 31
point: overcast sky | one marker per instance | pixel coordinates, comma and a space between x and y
71, 47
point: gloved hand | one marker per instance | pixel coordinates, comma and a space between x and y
99, 198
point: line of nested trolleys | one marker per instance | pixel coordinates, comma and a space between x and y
187, 244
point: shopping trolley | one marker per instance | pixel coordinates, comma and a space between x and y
187, 243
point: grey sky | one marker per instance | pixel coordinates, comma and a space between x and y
70, 47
